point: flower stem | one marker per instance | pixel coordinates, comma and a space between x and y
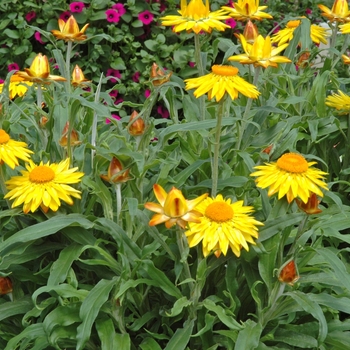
94, 122
68, 54
215, 162
246, 111
200, 68
118, 197
344, 47
39, 95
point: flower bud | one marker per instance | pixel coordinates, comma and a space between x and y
78, 77
158, 76
116, 172
311, 206
250, 32
288, 273
5, 285
137, 128
74, 137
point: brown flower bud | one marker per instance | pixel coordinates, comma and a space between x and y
158, 76
137, 128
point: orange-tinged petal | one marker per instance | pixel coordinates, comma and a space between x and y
175, 204
160, 194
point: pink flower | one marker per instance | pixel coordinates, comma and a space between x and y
146, 17
231, 22
37, 37
147, 93
136, 77
76, 6
113, 73
191, 64
308, 12
112, 16
230, 3
65, 15
13, 66
2, 81
119, 8
113, 94
115, 116
30, 16
163, 112
118, 100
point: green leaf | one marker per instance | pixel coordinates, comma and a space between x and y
149, 344
248, 337
91, 307
181, 337
34, 331
16, 307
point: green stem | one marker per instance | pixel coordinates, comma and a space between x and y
68, 54
248, 106
118, 197
301, 230
215, 162
200, 68
39, 96
344, 47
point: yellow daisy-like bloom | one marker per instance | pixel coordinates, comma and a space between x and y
223, 225
292, 176
345, 28
11, 150
317, 33
244, 10
223, 79
43, 185
17, 86
196, 17
69, 31
173, 208
346, 59
260, 53
339, 101
339, 12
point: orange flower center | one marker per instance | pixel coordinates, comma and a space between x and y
41, 174
293, 163
219, 212
293, 24
4, 137
224, 70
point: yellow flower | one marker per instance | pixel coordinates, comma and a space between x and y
339, 101
244, 10
345, 28
317, 33
11, 150
260, 53
173, 208
223, 225
292, 176
196, 17
223, 79
43, 185
69, 31
39, 71
346, 59
18, 86
339, 12
78, 77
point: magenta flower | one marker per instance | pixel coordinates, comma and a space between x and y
231, 22
163, 112
30, 16
114, 116
13, 66
119, 8
147, 93
146, 17
113, 94
2, 81
112, 16
113, 73
308, 12
65, 15
37, 37
191, 64
136, 77
77, 6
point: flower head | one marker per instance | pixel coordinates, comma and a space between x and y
223, 225
18, 86
5, 285
69, 31
114, 116
260, 53
222, 79
346, 59
158, 75
119, 8
37, 37
39, 71
113, 73
136, 77
76, 6
146, 17
137, 126
244, 10
64, 16
317, 33
311, 207
339, 12
11, 150
78, 77
30, 16
291, 176
13, 66
112, 16
173, 208
116, 172
289, 273
196, 17
43, 185
339, 101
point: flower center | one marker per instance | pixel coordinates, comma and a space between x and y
224, 70
219, 212
293, 24
293, 163
4, 137
41, 174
